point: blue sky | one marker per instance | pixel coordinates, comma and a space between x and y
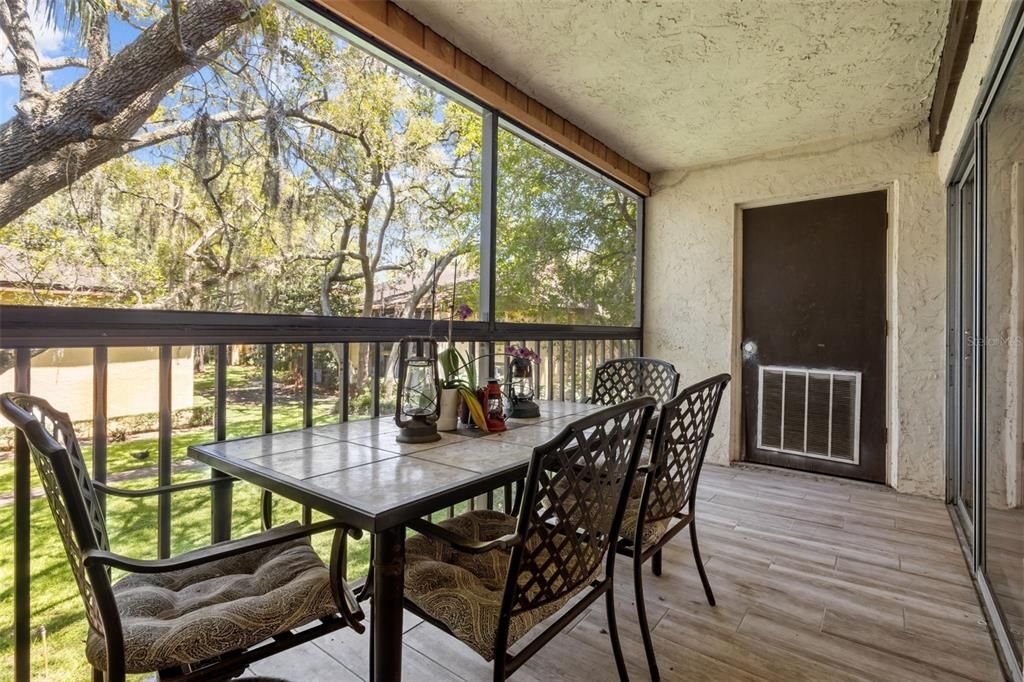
55, 39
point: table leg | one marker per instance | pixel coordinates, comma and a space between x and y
221, 494
387, 605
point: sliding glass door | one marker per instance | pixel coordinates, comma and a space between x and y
1001, 505
964, 347
986, 349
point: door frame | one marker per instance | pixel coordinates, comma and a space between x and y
1009, 46
737, 441
967, 168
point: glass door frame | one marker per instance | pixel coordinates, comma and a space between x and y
973, 158
961, 407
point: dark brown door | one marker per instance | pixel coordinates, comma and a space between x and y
814, 335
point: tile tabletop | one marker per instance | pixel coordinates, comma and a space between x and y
358, 472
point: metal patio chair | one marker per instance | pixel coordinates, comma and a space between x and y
202, 615
662, 501
619, 380
488, 578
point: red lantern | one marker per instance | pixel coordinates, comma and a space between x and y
494, 412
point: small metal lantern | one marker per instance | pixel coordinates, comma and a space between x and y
490, 399
419, 389
520, 389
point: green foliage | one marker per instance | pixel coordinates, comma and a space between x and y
294, 153
567, 241
450, 360
297, 152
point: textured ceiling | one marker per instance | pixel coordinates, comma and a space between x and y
679, 83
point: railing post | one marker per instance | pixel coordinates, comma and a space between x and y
572, 378
220, 394
164, 455
99, 420
307, 385
221, 492
490, 360
561, 370
307, 408
343, 381
583, 375
268, 424
22, 531
268, 388
375, 391
537, 374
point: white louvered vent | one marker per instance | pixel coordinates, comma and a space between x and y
809, 412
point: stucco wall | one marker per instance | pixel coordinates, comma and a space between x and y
691, 268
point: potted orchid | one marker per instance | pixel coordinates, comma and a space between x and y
459, 381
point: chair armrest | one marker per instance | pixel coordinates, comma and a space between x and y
461, 542
221, 550
148, 492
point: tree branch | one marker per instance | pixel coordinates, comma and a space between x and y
97, 42
36, 181
326, 125
99, 97
174, 130
176, 21
17, 26
11, 69
385, 223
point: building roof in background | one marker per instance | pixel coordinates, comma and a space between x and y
18, 271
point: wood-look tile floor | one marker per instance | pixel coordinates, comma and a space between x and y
815, 578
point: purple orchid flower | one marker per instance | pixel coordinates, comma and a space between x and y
463, 312
523, 353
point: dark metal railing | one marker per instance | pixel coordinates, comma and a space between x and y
575, 350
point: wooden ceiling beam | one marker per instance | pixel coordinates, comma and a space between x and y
963, 22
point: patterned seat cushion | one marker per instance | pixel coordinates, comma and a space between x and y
190, 615
653, 530
464, 591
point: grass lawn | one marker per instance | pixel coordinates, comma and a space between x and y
58, 620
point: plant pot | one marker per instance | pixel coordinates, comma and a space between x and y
449, 419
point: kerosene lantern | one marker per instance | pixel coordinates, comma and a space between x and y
520, 389
494, 413
418, 405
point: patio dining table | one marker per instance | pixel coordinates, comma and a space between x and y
359, 474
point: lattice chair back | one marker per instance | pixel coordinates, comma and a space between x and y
573, 504
680, 444
619, 380
58, 458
